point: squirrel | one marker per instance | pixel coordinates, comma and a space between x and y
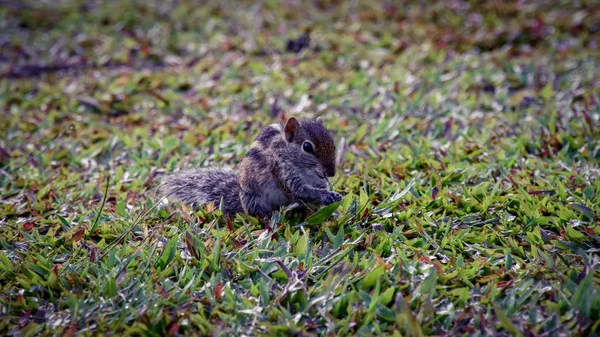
285, 164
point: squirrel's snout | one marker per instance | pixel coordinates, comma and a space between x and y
330, 172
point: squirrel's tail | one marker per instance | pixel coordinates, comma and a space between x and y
202, 186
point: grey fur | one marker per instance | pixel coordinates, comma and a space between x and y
203, 186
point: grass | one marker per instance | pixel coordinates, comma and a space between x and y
470, 135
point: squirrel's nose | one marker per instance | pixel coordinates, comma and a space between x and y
330, 172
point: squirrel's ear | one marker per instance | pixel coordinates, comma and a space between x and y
291, 126
320, 120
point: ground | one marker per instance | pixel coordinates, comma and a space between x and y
469, 161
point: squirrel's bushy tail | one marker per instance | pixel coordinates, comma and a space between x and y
202, 186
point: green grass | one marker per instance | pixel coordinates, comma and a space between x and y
470, 172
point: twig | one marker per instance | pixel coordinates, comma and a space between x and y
135, 223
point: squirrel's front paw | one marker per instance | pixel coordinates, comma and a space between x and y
321, 184
331, 197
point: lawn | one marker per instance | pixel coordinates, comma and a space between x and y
469, 140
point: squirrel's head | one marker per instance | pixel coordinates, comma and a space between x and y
313, 143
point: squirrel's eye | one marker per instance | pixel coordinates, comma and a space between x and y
307, 147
